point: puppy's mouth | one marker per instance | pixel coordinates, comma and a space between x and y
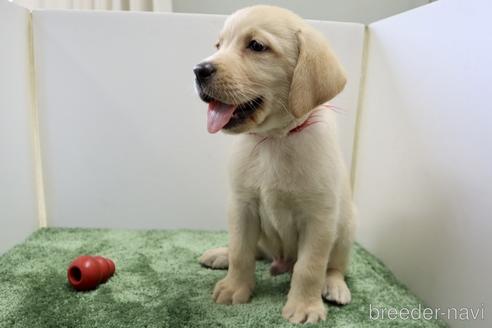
227, 116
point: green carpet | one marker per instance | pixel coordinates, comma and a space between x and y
159, 283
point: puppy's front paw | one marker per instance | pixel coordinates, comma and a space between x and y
228, 291
304, 312
215, 258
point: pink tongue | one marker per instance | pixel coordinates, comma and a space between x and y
218, 115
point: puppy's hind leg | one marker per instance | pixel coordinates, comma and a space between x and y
217, 258
336, 289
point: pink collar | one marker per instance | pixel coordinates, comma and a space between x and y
309, 121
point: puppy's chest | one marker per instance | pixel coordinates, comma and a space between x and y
276, 179
280, 221
278, 207
276, 168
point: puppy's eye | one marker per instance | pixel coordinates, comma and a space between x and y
217, 45
256, 46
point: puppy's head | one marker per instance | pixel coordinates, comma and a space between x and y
270, 69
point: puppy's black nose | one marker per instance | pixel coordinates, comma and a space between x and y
204, 71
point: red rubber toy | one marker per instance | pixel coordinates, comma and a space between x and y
87, 272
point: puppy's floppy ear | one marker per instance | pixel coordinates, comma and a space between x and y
318, 76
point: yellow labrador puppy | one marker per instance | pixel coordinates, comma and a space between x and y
291, 200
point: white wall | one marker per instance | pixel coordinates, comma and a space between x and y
360, 11
123, 134
424, 177
17, 198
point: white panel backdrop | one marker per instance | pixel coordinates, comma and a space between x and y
124, 135
18, 216
424, 177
